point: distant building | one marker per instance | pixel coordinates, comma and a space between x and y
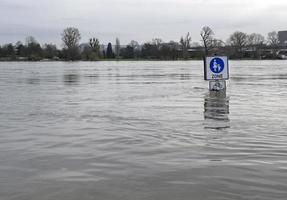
283, 38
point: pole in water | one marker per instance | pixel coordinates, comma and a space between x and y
216, 71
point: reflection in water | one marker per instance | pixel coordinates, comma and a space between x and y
71, 78
33, 81
185, 76
216, 110
33, 78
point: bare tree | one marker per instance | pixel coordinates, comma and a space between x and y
71, 37
238, 40
134, 48
207, 39
273, 41
256, 42
30, 40
273, 38
33, 48
134, 44
157, 42
217, 43
95, 44
117, 48
50, 51
255, 39
185, 45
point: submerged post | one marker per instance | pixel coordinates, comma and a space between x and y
216, 71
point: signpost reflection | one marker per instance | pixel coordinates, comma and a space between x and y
216, 110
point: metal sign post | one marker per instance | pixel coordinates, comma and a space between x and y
216, 71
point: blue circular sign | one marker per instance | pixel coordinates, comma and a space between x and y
216, 65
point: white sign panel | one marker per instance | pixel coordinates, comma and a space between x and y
216, 68
217, 85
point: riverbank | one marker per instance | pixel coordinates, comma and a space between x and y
141, 59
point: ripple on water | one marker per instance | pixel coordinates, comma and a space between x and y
141, 130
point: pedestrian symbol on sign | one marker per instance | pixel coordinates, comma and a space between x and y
216, 65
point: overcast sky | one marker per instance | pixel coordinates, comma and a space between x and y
139, 20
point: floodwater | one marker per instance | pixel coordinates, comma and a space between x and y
142, 131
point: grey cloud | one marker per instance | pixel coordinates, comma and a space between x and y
137, 19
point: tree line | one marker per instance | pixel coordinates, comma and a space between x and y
239, 45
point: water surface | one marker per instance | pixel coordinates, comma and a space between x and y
142, 130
